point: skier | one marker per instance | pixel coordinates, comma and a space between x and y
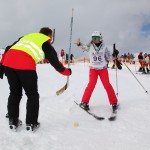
71, 58
62, 55
140, 58
98, 67
66, 60
146, 62
149, 61
20, 68
125, 57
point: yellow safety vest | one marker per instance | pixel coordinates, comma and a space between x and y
32, 45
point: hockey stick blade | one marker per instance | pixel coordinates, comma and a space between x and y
62, 89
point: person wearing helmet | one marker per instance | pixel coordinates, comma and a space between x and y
20, 61
146, 62
149, 61
141, 61
99, 55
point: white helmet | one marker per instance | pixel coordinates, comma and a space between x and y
96, 36
96, 33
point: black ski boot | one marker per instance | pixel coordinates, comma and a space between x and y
140, 69
147, 70
144, 72
115, 107
14, 123
32, 127
85, 106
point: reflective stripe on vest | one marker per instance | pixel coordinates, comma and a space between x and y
32, 45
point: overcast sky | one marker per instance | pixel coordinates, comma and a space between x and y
124, 22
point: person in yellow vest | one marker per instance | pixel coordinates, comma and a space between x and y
20, 61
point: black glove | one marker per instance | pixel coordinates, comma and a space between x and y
1, 71
118, 64
115, 51
70, 71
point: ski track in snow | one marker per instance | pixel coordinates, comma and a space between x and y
57, 114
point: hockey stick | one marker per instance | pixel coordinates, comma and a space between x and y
67, 83
53, 39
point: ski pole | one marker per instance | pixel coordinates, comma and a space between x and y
136, 78
116, 77
114, 48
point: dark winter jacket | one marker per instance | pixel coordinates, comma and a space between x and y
140, 56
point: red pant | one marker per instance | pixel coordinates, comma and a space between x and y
93, 75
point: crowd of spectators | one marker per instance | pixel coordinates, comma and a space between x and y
143, 59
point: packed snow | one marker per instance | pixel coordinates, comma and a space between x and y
65, 126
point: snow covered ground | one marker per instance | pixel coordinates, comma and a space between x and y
131, 130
